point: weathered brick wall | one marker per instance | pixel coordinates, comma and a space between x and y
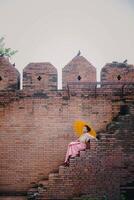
36, 128
40, 76
9, 75
117, 72
78, 70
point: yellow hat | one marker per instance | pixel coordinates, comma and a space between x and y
78, 128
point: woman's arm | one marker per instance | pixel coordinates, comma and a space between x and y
92, 138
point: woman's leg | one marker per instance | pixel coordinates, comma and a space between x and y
73, 149
68, 154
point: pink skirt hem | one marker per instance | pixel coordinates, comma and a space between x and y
74, 148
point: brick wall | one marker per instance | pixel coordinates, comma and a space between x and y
35, 130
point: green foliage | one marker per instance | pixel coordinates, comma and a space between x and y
5, 51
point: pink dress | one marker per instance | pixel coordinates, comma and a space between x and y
78, 145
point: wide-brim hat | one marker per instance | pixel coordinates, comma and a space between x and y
78, 128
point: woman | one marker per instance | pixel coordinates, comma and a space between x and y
79, 144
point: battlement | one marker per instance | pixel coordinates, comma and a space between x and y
79, 71
82, 90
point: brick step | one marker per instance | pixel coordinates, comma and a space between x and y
82, 153
132, 111
42, 185
53, 175
55, 171
43, 182
42, 189
61, 171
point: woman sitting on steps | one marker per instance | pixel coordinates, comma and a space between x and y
86, 133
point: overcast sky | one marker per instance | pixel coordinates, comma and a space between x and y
54, 30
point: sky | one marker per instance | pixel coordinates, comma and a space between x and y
55, 30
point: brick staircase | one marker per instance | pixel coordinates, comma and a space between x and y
40, 190
98, 171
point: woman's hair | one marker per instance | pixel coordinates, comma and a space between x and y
88, 128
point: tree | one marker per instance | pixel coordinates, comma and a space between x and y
5, 51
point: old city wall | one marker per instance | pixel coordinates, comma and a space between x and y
35, 131
36, 122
